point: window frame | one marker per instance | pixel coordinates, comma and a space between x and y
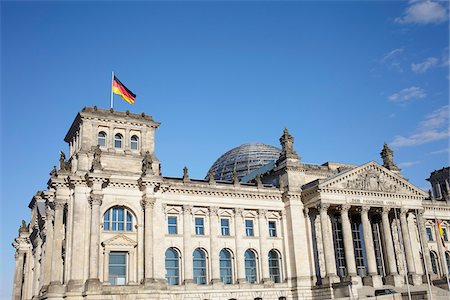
199, 228
272, 231
429, 233
118, 138
249, 231
225, 229
276, 278
248, 267
125, 254
228, 269
136, 142
201, 278
113, 222
177, 259
169, 225
104, 138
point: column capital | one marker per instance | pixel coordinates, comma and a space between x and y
213, 211
386, 210
262, 213
365, 209
187, 209
59, 204
323, 207
96, 199
403, 211
239, 211
420, 212
305, 211
344, 208
147, 202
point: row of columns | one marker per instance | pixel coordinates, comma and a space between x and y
372, 277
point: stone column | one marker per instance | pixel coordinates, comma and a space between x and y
48, 253
393, 277
373, 279
58, 236
408, 249
213, 240
37, 266
328, 247
147, 204
240, 250
18, 275
425, 248
263, 229
187, 244
348, 243
95, 202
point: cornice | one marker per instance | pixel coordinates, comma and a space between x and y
367, 193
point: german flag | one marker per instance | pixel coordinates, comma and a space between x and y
441, 232
120, 89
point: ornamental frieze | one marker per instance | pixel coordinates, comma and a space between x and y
371, 181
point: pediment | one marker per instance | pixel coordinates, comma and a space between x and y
372, 177
120, 240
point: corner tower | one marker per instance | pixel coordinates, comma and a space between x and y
122, 139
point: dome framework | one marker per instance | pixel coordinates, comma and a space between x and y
243, 160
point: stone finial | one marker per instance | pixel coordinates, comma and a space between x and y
259, 183
387, 155
23, 228
235, 178
185, 174
96, 164
211, 178
287, 146
147, 162
53, 172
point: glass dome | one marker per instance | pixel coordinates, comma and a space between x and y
244, 160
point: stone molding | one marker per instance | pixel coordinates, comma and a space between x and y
147, 202
96, 199
213, 211
120, 240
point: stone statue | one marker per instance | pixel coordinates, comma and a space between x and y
23, 227
287, 146
96, 164
53, 172
211, 178
63, 164
388, 159
259, 181
147, 167
235, 178
185, 174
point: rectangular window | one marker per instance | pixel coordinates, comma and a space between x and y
225, 226
199, 226
117, 268
272, 228
249, 228
429, 233
172, 225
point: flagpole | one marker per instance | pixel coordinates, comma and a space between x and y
423, 256
112, 95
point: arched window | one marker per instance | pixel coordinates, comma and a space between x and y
118, 141
101, 139
134, 142
226, 269
434, 262
199, 266
274, 266
118, 219
172, 266
250, 266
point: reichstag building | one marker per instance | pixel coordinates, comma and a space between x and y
261, 225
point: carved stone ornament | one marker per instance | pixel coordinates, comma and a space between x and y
365, 209
63, 164
388, 159
239, 212
345, 208
185, 174
323, 207
371, 181
187, 209
147, 162
96, 199
211, 178
54, 172
147, 202
262, 213
235, 178
59, 204
387, 209
23, 228
403, 211
213, 211
259, 181
96, 163
287, 146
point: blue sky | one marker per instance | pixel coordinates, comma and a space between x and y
344, 77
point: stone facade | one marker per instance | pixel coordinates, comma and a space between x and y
110, 226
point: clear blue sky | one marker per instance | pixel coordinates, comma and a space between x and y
344, 77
